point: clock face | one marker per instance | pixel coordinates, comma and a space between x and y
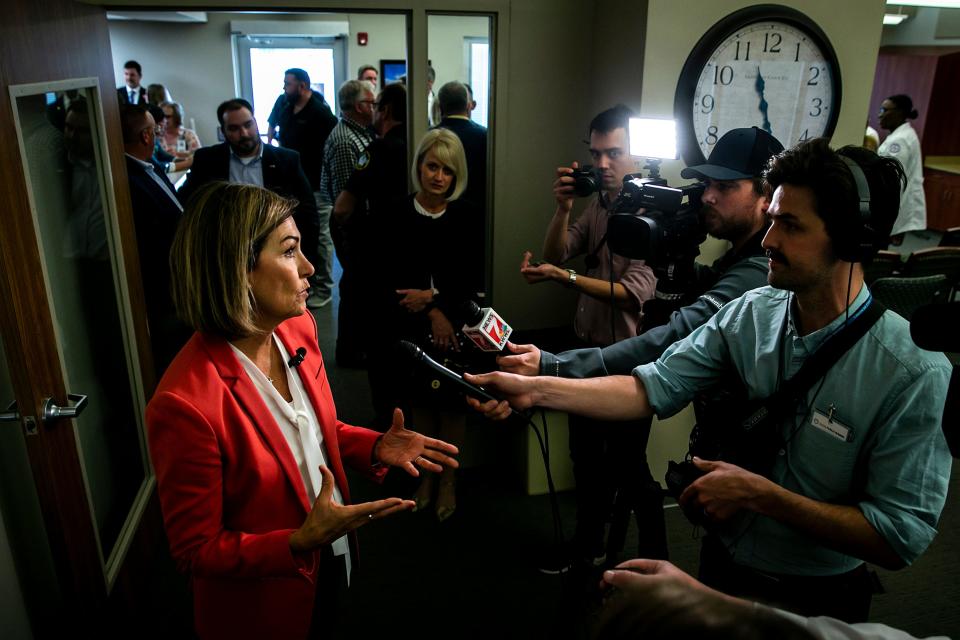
777, 74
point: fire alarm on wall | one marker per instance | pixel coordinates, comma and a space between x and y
362, 38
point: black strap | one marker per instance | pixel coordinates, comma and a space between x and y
817, 365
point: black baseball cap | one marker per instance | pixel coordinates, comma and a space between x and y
740, 153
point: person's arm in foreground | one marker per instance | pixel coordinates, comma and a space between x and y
609, 398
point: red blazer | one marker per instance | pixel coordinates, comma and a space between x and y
230, 489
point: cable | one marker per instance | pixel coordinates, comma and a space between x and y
613, 303
543, 442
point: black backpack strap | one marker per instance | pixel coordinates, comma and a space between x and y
817, 365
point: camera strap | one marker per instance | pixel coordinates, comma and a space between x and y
747, 433
817, 364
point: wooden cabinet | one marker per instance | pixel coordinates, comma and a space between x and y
942, 192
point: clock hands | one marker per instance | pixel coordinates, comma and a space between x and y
759, 85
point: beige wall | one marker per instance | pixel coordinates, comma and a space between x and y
673, 29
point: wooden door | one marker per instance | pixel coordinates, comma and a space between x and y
73, 325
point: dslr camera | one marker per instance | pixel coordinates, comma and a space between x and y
681, 475
586, 180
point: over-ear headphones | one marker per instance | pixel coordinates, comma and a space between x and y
862, 242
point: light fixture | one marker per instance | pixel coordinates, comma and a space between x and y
653, 138
894, 18
943, 4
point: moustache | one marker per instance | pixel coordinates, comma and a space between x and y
776, 255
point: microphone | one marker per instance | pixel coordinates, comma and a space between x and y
416, 353
934, 326
297, 358
484, 327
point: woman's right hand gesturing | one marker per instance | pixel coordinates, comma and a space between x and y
329, 520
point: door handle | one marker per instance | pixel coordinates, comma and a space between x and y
51, 411
11, 414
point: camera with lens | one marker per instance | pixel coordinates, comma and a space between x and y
586, 180
652, 221
681, 475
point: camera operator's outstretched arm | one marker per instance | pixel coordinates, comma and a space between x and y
610, 398
594, 287
621, 357
524, 359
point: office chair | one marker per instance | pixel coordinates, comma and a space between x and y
906, 295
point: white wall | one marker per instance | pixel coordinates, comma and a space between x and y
445, 36
195, 61
387, 35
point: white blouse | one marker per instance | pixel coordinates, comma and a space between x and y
301, 429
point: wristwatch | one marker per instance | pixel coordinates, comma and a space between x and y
571, 278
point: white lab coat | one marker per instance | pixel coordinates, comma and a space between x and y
902, 143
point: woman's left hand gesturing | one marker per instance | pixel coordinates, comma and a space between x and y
400, 447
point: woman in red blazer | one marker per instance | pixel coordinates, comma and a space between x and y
244, 435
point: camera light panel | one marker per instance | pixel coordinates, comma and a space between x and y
653, 138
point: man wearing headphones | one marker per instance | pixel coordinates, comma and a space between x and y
860, 466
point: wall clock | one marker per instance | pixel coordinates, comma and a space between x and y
767, 66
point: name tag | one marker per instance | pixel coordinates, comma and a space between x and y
834, 427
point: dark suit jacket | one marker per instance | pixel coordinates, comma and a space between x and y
123, 93
230, 489
282, 174
474, 140
473, 137
155, 217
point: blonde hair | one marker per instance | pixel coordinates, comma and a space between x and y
449, 151
216, 246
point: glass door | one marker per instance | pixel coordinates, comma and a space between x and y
81, 407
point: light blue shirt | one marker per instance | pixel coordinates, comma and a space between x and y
247, 170
889, 394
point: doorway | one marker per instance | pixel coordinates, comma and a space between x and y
263, 59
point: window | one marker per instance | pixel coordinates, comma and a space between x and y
478, 63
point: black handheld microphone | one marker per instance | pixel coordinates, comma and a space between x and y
297, 358
417, 354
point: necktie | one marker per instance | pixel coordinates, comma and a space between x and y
133, 97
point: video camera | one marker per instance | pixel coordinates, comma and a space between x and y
652, 221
